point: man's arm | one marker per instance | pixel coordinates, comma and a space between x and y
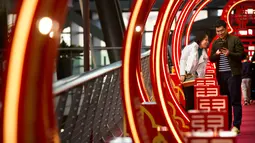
213, 56
239, 50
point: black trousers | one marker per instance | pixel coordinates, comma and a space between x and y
230, 85
189, 97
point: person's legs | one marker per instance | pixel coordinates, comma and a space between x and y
223, 83
189, 97
234, 84
249, 88
245, 91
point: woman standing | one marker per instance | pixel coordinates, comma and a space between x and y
193, 64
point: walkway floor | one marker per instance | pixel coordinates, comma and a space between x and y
247, 134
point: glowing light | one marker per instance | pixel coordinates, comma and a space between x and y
203, 134
126, 76
51, 34
242, 32
14, 76
250, 31
45, 25
249, 11
227, 134
251, 47
138, 28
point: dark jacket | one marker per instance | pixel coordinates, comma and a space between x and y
236, 53
247, 70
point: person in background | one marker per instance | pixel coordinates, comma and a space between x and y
192, 64
228, 52
246, 81
253, 77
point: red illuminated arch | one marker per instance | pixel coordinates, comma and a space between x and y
177, 35
227, 10
159, 70
201, 6
159, 42
130, 71
25, 100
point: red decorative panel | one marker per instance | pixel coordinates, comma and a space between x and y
153, 120
206, 91
242, 19
210, 75
211, 70
210, 67
208, 121
209, 64
218, 103
240, 16
203, 81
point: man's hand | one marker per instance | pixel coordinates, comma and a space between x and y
225, 51
182, 78
218, 52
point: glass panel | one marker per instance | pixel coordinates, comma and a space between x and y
203, 14
151, 21
219, 12
126, 16
148, 38
67, 29
66, 38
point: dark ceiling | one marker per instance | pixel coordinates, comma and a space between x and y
217, 4
125, 4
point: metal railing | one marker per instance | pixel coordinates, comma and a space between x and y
89, 106
74, 56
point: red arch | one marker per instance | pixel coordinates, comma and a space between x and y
227, 10
201, 6
131, 93
26, 101
177, 35
158, 69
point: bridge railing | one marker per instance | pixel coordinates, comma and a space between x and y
89, 106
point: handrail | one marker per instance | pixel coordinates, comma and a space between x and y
72, 81
95, 48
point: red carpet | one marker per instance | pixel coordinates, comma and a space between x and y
247, 134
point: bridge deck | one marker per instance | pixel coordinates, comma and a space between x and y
247, 134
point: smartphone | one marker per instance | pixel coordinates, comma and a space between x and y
222, 43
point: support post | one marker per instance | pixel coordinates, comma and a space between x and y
84, 4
